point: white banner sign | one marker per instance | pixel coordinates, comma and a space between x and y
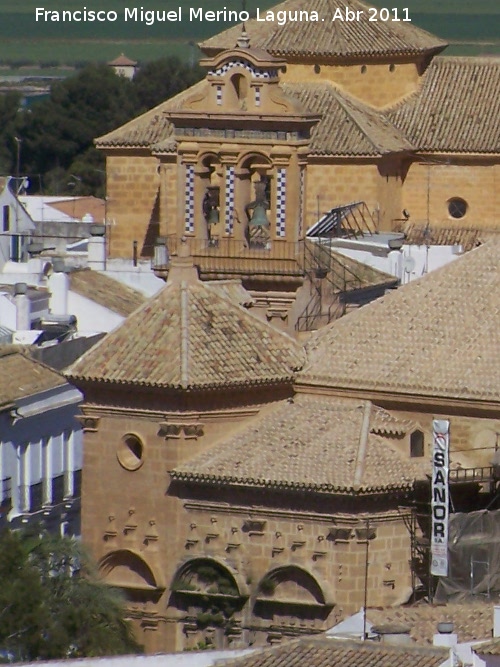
440, 496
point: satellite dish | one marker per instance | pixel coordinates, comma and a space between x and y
409, 264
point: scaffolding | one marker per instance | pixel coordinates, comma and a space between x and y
473, 545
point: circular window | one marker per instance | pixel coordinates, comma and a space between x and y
130, 452
317, 69
457, 208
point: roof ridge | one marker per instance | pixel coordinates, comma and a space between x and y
184, 331
356, 111
363, 440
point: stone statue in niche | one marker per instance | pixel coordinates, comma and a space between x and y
211, 213
258, 228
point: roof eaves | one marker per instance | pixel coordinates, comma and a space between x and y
204, 478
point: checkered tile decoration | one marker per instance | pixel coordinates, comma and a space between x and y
229, 203
257, 96
189, 205
256, 72
281, 203
301, 199
219, 95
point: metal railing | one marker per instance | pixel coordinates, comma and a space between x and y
233, 248
479, 474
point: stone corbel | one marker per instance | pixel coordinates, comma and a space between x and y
339, 534
175, 431
365, 533
89, 424
281, 313
111, 532
254, 526
151, 533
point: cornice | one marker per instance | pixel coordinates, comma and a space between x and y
96, 411
335, 519
439, 404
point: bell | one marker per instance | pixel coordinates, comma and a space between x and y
213, 217
259, 217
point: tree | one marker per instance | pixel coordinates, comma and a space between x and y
161, 79
52, 603
9, 106
58, 134
59, 130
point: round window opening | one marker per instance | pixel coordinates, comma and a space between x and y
457, 208
131, 452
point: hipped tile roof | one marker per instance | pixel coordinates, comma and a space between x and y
22, 376
467, 237
471, 621
401, 343
348, 127
457, 108
320, 652
327, 38
149, 128
106, 291
189, 336
488, 648
321, 444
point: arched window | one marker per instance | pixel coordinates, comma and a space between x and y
417, 447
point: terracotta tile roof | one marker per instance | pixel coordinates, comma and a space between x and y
26, 376
471, 621
189, 336
488, 648
106, 291
232, 290
122, 61
322, 444
81, 206
150, 128
327, 39
457, 108
467, 237
347, 127
320, 652
401, 343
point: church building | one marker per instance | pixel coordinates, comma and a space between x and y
293, 120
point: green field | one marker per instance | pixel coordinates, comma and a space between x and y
23, 40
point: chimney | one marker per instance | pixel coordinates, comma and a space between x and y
97, 247
496, 621
445, 637
23, 307
58, 285
161, 251
394, 634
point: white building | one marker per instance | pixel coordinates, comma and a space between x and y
16, 225
40, 445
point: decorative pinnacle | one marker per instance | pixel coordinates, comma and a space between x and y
243, 40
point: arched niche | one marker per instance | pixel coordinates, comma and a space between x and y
289, 595
253, 167
208, 576
209, 595
209, 173
127, 569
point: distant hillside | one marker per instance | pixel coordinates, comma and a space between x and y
471, 28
